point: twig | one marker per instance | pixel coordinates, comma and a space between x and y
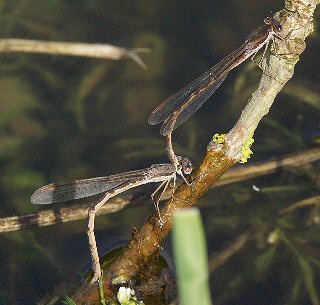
224, 255
104, 51
268, 167
301, 204
65, 214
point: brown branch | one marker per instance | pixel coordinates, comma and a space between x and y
219, 158
103, 51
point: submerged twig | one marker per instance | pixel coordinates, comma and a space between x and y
103, 51
66, 214
301, 204
268, 167
224, 255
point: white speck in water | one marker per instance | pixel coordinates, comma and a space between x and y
255, 188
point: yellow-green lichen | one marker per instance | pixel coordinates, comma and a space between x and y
246, 148
219, 138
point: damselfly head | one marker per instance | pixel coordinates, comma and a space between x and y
186, 165
276, 26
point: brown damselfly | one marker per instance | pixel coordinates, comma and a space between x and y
111, 186
177, 108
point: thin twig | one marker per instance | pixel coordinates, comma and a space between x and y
221, 258
103, 51
315, 200
268, 167
66, 214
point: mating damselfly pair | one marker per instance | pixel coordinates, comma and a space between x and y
172, 112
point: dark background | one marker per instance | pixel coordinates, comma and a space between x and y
64, 118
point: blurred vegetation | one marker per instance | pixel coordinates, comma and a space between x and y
64, 118
191, 259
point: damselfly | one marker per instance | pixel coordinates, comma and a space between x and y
180, 106
112, 186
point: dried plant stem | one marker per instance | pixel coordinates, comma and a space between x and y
103, 51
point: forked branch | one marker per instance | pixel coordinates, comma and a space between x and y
296, 20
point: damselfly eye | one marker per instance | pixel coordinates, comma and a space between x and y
276, 26
187, 166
